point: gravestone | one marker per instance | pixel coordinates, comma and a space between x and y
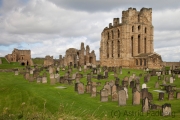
111, 83
133, 75
106, 74
143, 86
31, 71
131, 84
52, 81
145, 105
117, 82
169, 72
167, 79
138, 86
150, 96
93, 91
144, 92
126, 78
74, 76
171, 80
125, 83
130, 79
94, 71
88, 88
122, 97
89, 77
50, 70
164, 82
39, 79
170, 95
108, 87
44, 79
145, 79
136, 98
16, 72
27, 76
166, 109
80, 88
77, 80
114, 95
157, 85
104, 95
161, 96
178, 95
126, 92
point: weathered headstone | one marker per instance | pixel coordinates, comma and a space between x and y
89, 77
39, 79
44, 79
16, 72
126, 92
166, 109
114, 95
136, 98
104, 95
52, 81
131, 84
171, 80
157, 85
122, 97
27, 76
144, 92
169, 72
80, 88
170, 95
138, 86
145, 105
93, 91
161, 96
31, 71
88, 88
178, 95
108, 87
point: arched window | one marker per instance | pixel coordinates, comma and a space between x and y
112, 48
118, 33
112, 34
139, 43
132, 28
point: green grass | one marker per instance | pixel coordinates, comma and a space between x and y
11, 65
39, 61
30, 100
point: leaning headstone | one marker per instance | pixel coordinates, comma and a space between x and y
122, 97
136, 98
80, 88
144, 92
104, 95
93, 91
166, 109
161, 96
145, 105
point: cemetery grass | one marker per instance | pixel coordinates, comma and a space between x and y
20, 99
11, 65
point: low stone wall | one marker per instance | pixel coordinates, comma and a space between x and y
172, 65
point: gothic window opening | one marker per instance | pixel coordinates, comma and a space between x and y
144, 45
132, 28
139, 27
144, 62
112, 48
112, 34
108, 35
107, 50
145, 30
118, 45
140, 62
118, 33
139, 43
132, 46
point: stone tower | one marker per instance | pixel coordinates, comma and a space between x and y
130, 43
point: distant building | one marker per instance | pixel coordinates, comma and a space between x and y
130, 43
21, 56
48, 60
75, 57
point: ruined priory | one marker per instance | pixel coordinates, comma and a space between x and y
127, 42
130, 43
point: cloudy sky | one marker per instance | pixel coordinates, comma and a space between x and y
49, 27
